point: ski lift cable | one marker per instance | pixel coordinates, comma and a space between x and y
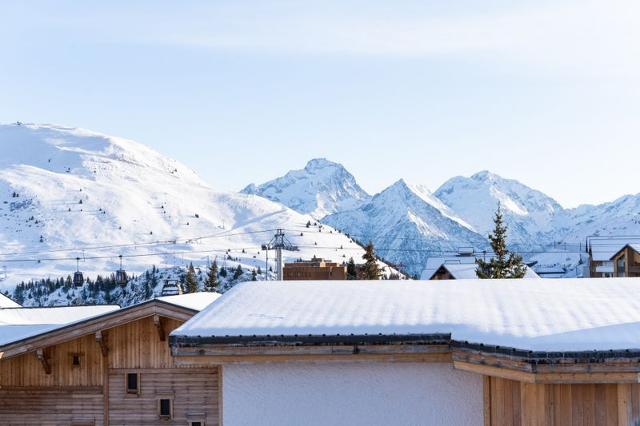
150, 243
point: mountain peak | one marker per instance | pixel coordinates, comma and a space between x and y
486, 175
527, 211
323, 187
321, 163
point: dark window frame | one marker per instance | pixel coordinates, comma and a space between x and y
128, 390
168, 416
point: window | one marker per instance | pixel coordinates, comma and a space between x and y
621, 265
75, 360
197, 424
133, 383
164, 406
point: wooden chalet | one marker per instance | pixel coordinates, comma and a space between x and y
492, 352
113, 368
626, 261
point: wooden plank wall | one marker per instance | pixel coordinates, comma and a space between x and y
51, 406
514, 403
26, 370
137, 345
95, 393
194, 393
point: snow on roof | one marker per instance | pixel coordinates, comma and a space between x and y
603, 249
549, 315
195, 301
466, 271
6, 302
21, 323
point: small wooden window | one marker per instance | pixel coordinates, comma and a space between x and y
164, 407
75, 360
133, 383
197, 424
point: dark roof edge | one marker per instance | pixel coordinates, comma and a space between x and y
312, 339
530, 356
541, 357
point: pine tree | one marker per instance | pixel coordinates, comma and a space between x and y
191, 285
371, 269
238, 272
212, 278
503, 264
254, 275
352, 270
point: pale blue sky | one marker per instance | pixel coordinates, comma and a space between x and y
547, 92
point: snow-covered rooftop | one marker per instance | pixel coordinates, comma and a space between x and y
603, 249
6, 302
460, 267
21, 323
546, 315
196, 301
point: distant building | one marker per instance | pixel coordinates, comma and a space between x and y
314, 269
461, 266
605, 252
626, 262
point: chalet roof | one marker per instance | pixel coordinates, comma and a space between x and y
536, 315
603, 248
196, 301
25, 327
634, 246
21, 323
6, 302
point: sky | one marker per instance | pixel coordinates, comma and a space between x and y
546, 92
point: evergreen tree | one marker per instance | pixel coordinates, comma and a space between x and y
352, 270
211, 284
223, 272
238, 273
371, 269
254, 275
191, 285
503, 264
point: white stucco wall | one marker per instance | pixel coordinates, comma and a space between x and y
350, 394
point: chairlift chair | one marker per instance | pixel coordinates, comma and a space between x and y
121, 275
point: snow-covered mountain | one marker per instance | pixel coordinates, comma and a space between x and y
69, 193
321, 188
619, 217
530, 214
407, 224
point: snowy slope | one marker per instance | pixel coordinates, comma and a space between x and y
321, 188
530, 214
67, 193
407, 224
619, 217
